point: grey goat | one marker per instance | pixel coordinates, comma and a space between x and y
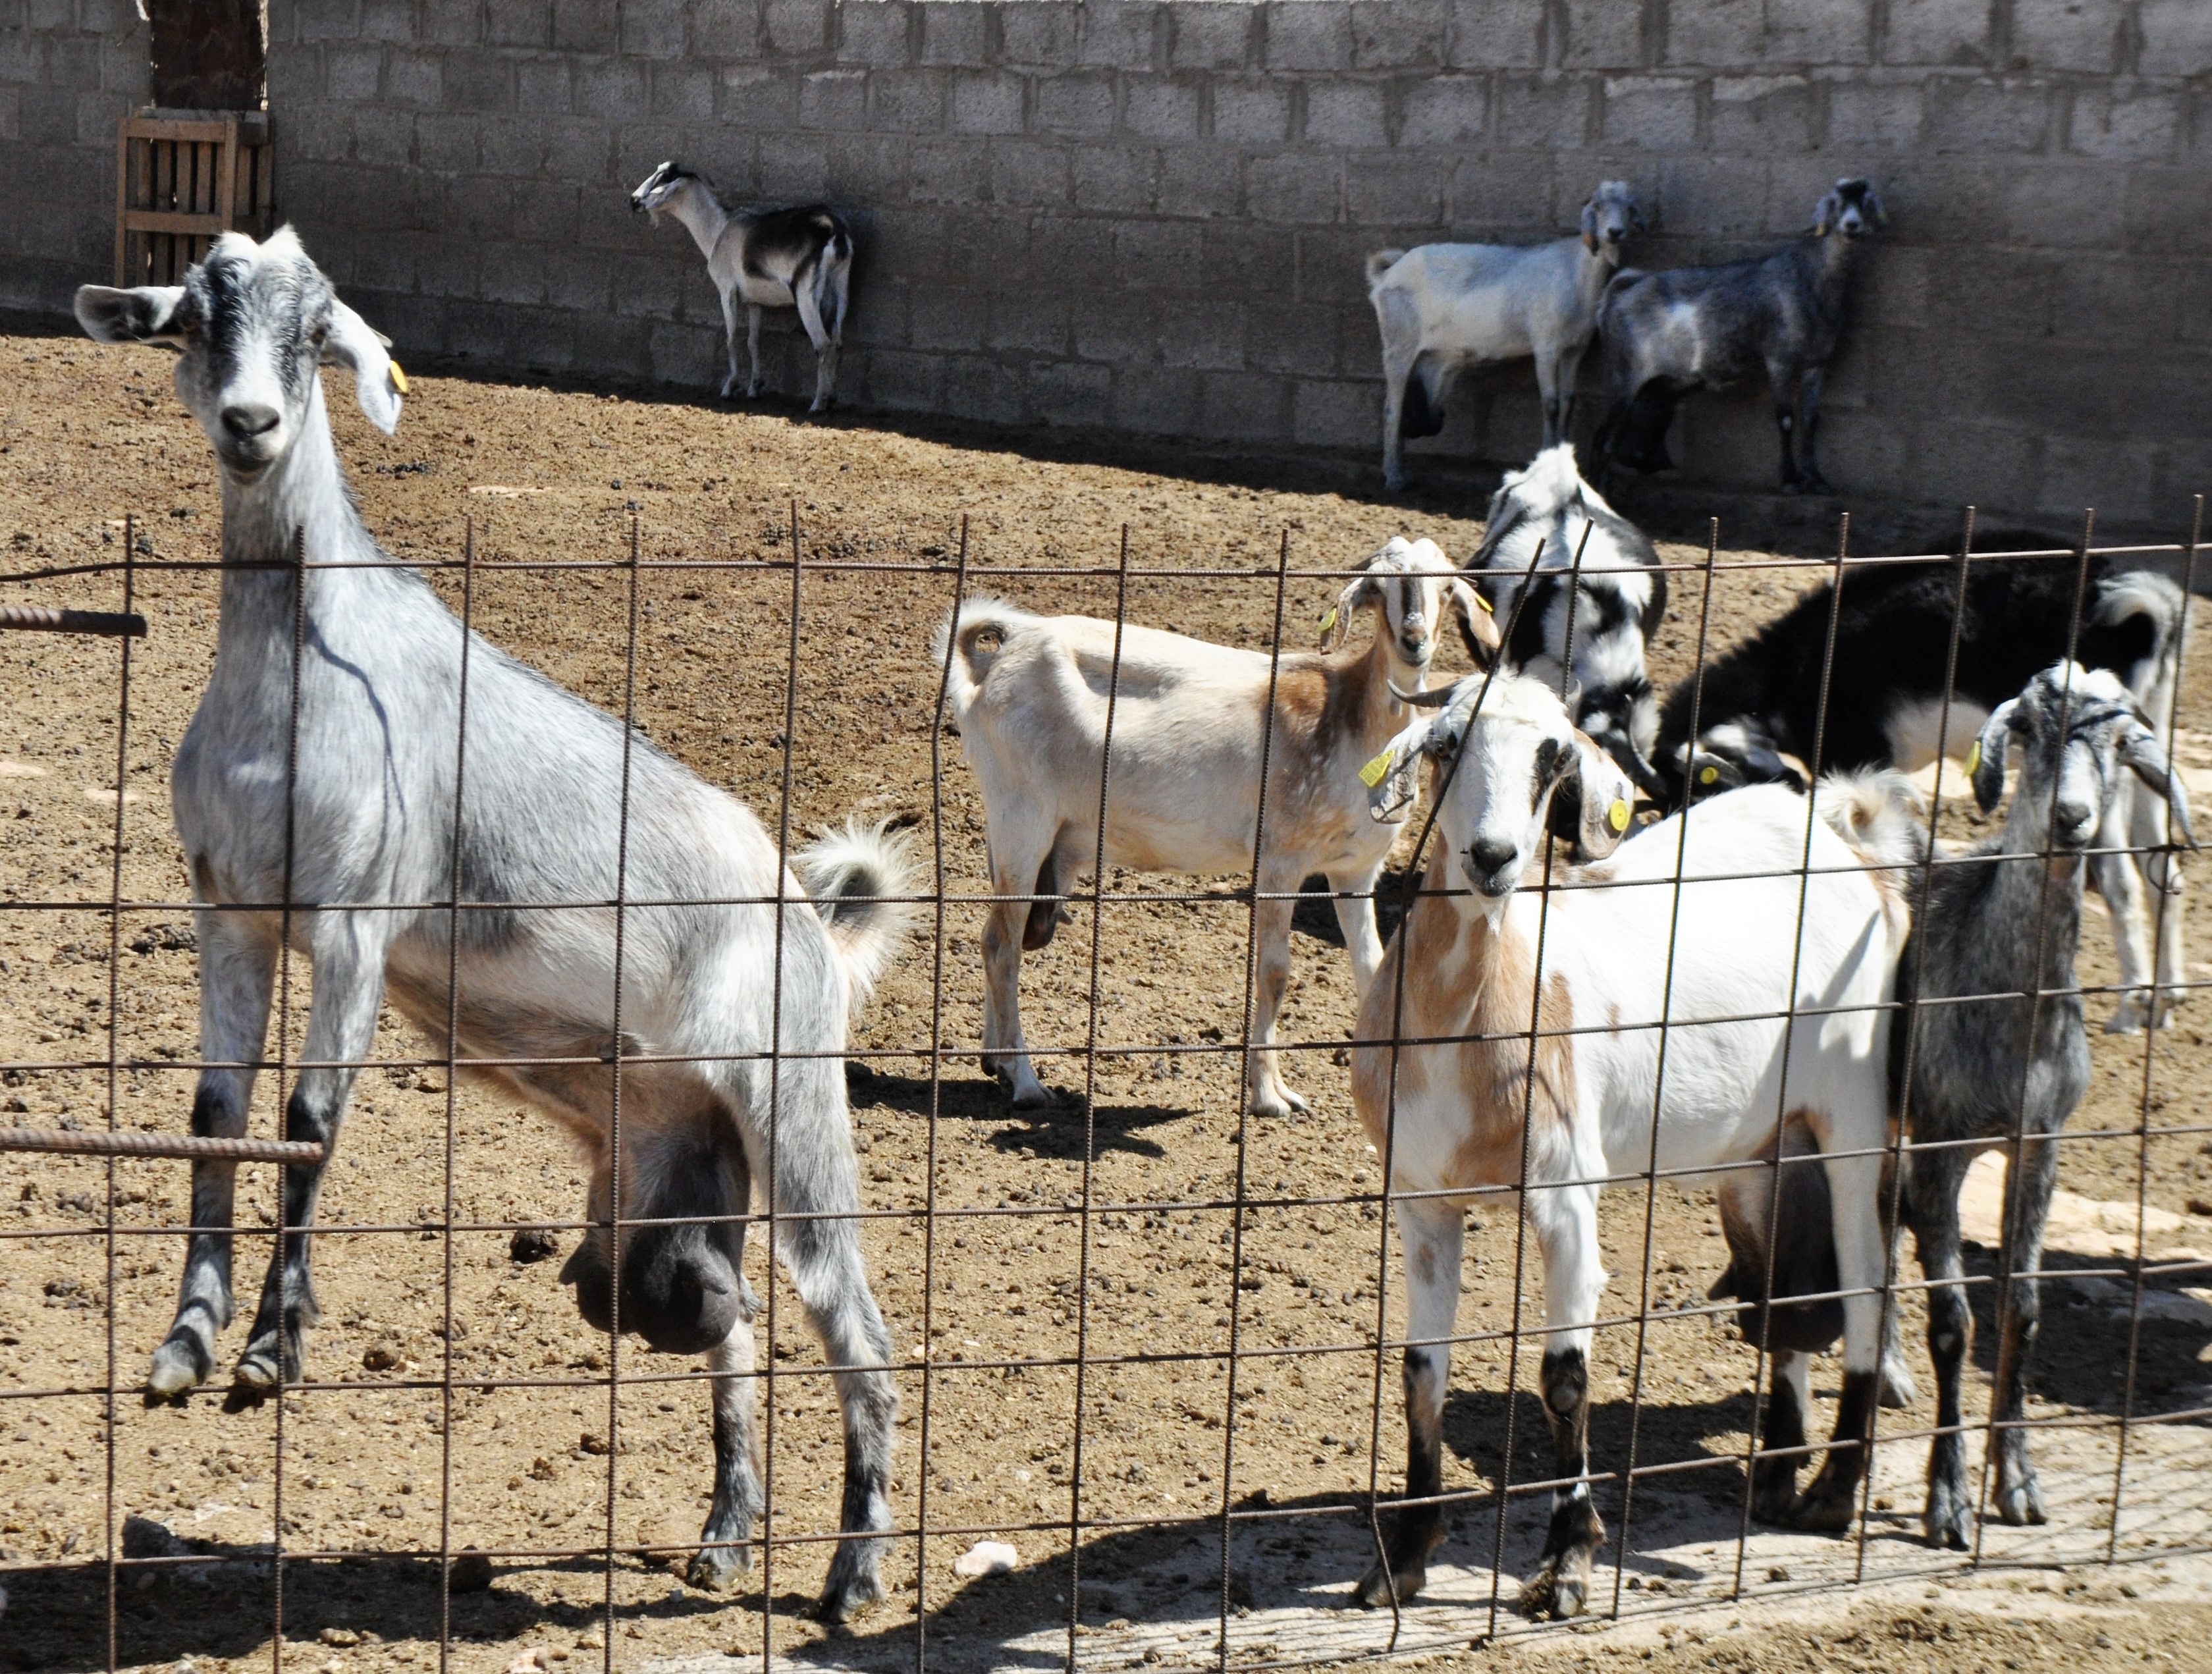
362, 807
1994, 1053
1442, 308
1693, 328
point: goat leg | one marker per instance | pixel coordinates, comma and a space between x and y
1808, 451
1435, 1235
1782, 1437
725, 1543
1948, 1520
752, 347
2018, 1494
1560, 1586
1830, 1504
729, 342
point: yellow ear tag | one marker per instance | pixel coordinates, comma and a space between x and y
1488, 608
1974, 759
1375, 771
1329, 621
1617, 815
1706, 776
398, 378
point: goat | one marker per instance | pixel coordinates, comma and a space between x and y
1443, 308
1691, 328
338, 772
798, 258
1029, 695
1761, 708
1996, 1052
1548, 521
1462, 976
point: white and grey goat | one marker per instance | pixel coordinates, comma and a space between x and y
1547, 525
1778, 317
1443, 308
1029, 694
798, 258
1720, 927
340, 772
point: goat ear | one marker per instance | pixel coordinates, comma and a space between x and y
1392, 777
1608, 800
147, 314
378, 381
1636, 218
2141, 751
1337, 623
1987, 767
1589, 225
1824, 213
1873, 204
1478, 624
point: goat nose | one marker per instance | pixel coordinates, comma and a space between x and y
250, 418
1491, 854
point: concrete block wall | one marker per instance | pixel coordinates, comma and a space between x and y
1151, 215
70, 70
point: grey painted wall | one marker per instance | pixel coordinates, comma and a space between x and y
1151, 217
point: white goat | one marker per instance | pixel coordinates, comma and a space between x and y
1445, 307
1451, 1116
1548, 519
1029, 694
798, 258
339, 772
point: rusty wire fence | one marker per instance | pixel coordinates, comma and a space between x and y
1277, 1543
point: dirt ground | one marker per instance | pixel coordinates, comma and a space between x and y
93, 434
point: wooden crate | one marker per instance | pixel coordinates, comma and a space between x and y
182, 177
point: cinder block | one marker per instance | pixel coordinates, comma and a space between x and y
979, 388
948, 318
1206, 35
586, 26
1598, 34
1199, 182
1251, 113
383, 137
511, 23
1292, 190
1496, 34
834, 99
2061, 206
1115, 177
954, 172
391, 21
477, 81
1403, 34
352, 73
795, 28
541, 87
1987, 115
953, 32
875, 32
446, 144
1153, 108
2124, 123
1157, 254
1062, 394
1116, 328
414, 78
1651, 112
1119, 34
901, 381
1079, 249
1333, 265
1760, 114
1394, 191
685, 354
867, 168
1445, 110
683, 92
1536, 112
510, 273
2120, 302
653, 29
326, 19
2102, 470
320, 134
449, 267
1820, 33
1289, 337
1240, 260
448, 23
2177, 36
1337, 413
1346, 114
1029, 173
1714, 34
615, 89
1038, 34
577, 279
1308, 34
543, 339
1075, 102
511, 147
880, 313
1244, 406
1038, 321
1154, 400
2066, 34
794, 168
907, 101
1873, 115
731, 29
1710, 198
985, 101
761, 97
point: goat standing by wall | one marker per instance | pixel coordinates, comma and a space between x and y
371, 801
1029, 694
1761, 707
1691, 328
1753, 943
1548, 518
798, 258
1443, 308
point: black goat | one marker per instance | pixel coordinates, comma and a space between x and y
1691, 328
1762, 704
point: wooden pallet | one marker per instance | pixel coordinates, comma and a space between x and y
181, 179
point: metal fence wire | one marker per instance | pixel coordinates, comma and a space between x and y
1293, 1341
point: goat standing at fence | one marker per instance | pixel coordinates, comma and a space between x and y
1996, 1052
1029, 695
335, 772
798, 258
1443, 308
1691, 328
1762, 706
1785, 920
1592, 633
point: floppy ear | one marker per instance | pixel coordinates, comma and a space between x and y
1824, 213
1337, 623
1589, 225
1872, 202
2142, 751
147, 314
1987, 767
1393, 777
1478, 625
378, 381
1635, 217
1608, 800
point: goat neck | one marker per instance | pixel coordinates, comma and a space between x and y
1594, 272
1368, 677
301, 493
701, 214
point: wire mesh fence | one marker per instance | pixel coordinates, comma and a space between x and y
1146, 1337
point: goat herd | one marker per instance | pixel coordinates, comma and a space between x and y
1506, 1037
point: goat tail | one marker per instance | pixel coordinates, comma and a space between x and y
858, 875
2157, 599
984, 624
1380, 261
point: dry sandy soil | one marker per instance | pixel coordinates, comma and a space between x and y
91, 434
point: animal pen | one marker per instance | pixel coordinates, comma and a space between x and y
1043, 1293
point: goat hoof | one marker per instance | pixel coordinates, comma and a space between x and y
258, 1372
842, 1601
1824, 1511
2128, 1017
1947, 1522
1898, 1392
1549, 1593
1374, 1591
181, 1363
716, 1569
2021, 1503
1281, 1102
